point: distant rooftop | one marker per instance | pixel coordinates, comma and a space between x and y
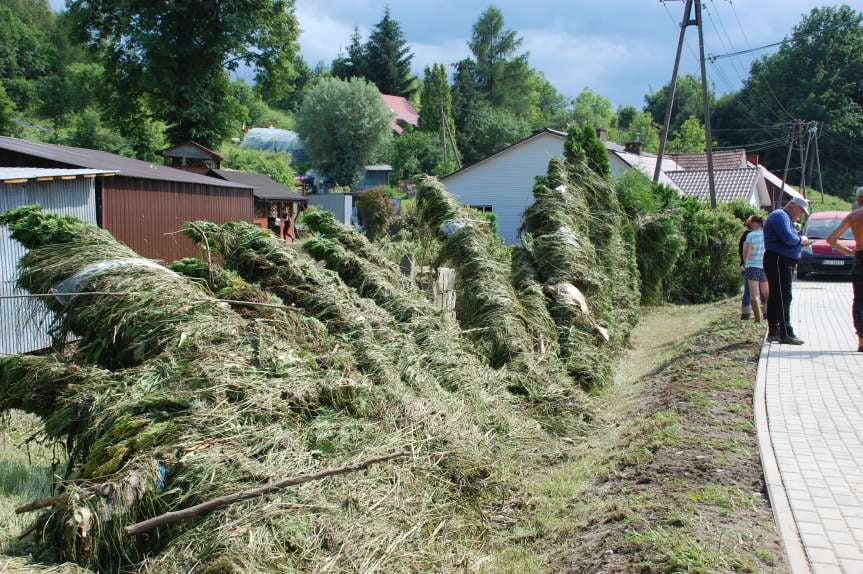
263, 186
731, 184
403, 110
102, 160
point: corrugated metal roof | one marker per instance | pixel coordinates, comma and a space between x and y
95, 159
263, 186
42, 173
731, 184
724, 159
379, 167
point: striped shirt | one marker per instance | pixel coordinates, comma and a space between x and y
756, 240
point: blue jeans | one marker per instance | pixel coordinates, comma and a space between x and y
747, 298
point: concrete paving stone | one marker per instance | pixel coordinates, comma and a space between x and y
813, 400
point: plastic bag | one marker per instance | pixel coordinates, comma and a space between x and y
76, 282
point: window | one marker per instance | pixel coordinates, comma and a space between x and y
483, 208
821, 228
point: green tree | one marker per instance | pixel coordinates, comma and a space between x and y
643, 128
551, 105
592, 110
489, 130
500, 72
355, 63
169, 59
689, 138
342, 123
419, 152
388, 58
436, 102
815, 77
687, 102
465, 92
7, 114
24, 49
625, 115
582, 144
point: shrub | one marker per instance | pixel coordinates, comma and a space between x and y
707, 269
274, 164
376, 210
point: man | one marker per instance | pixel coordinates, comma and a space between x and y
854, 220
783, 247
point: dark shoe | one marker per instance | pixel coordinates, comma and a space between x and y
745, 316
860, 349
773, 336
790, 340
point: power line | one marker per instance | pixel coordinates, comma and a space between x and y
795, 38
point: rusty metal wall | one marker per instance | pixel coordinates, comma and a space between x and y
24, 322
146, 214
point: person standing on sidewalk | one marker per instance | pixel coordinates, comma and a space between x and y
756, 279
783, 247
745, 310
854, 220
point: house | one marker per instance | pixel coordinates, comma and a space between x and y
374, 176
271, 197
24, 322
404, 114
192, 156
144, 204
503, 182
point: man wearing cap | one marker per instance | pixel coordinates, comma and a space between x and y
783, 246
854, 220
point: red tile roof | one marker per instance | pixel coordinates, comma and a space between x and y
404, 112
725, 159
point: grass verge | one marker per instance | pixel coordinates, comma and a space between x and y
670, 479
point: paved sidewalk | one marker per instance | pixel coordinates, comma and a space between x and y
813, 396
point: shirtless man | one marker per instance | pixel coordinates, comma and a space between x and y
854, 220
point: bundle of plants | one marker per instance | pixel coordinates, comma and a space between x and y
252, 302
226, 406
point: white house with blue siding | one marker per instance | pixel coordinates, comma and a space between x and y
24, 322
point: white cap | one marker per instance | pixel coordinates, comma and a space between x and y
801, 202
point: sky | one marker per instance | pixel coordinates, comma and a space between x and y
622, 49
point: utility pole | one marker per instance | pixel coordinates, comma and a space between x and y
706, 100
801, 129
663, 138
785, 173
818, 164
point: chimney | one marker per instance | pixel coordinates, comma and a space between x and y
602, 134
753, 158
635, 146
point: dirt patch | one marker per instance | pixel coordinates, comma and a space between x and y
670, 480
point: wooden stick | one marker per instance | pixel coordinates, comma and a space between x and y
210, 505
36, 295
43, 503
253, 303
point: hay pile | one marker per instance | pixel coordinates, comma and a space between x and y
172, 399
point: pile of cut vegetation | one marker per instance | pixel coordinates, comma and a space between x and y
194, 396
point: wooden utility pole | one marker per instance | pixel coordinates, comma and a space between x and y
706, 102
663, 138
785, 173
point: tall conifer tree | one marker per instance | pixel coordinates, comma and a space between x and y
388, 58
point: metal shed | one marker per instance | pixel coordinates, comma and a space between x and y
24, 322
145, 204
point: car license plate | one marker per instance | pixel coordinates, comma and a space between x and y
834, 262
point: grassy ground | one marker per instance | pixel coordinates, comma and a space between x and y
828, 203
670, 479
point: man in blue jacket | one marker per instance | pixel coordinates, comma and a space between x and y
783, 246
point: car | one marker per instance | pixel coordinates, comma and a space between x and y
821, 257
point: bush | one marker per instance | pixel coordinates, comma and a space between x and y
274, 164
376, 209
707, 269
740, 209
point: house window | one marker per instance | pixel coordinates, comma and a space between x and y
483, 208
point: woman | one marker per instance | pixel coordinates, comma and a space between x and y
745, 313
756, 278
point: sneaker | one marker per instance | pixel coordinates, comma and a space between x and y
745, 316
790, 340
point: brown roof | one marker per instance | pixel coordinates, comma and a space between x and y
94, 159
725, 159
731, 184
173, 151
263, 186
